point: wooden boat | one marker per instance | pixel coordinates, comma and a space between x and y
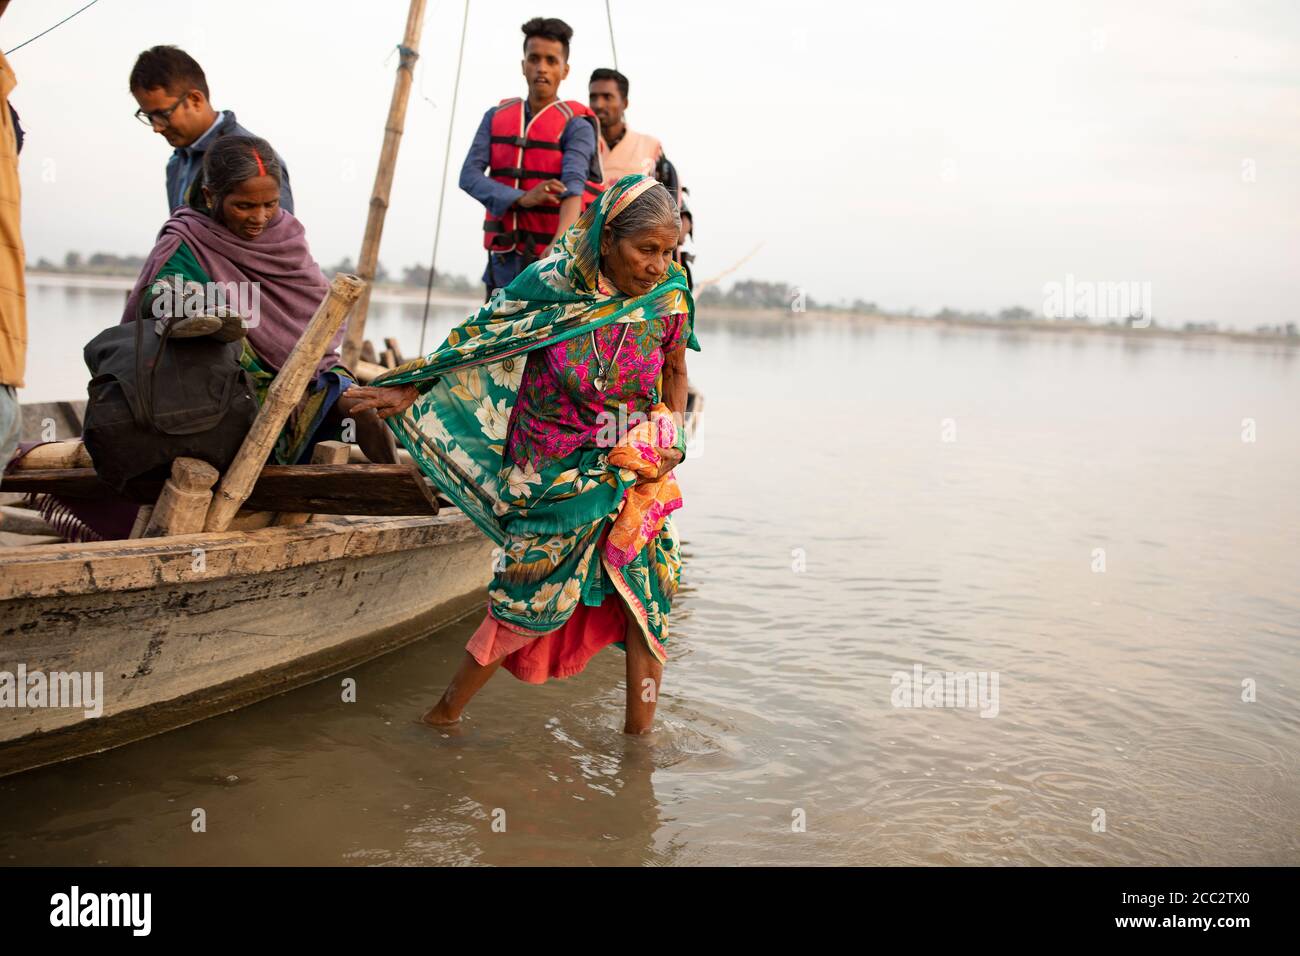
202, 610
207, 607
178, 639
183, 627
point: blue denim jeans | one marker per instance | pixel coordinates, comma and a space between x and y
10, 422
502, 267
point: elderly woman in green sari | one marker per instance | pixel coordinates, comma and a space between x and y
521, 418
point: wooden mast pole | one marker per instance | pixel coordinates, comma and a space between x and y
369, 257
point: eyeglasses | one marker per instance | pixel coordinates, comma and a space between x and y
161, 116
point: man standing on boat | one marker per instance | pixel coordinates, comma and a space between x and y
624, 151
13, 300
172, 92
533, 163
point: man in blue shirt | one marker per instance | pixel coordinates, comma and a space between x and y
172, 92
545, 64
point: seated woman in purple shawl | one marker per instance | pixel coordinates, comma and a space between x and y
233, 264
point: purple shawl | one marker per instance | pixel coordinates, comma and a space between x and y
289, 283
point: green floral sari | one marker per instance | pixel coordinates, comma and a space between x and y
548, 521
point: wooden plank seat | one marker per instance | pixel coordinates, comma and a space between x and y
391, 490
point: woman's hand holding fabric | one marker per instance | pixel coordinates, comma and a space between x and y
670, 458
649, 451
386, 400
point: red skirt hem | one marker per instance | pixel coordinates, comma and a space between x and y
537, 656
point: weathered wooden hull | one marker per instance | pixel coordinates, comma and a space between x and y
187, 627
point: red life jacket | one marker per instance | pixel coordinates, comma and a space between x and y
523, 157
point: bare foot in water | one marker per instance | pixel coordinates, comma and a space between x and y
435, 717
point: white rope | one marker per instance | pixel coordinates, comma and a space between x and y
446, 162
612, 49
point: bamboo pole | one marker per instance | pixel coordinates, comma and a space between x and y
145, 515
285, 391
369, 256
367, 372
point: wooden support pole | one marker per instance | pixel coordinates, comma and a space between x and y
284, 393
57, 454
142, 519
367, 372
325, 453
252, 520
330, 453
184, 501
369, 257
358, 457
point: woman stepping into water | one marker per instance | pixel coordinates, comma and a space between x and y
553, 419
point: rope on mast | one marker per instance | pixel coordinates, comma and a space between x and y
442, 195
55, 27
612, 49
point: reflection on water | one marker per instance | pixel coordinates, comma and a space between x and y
1078, 514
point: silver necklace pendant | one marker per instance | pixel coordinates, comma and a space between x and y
603, 368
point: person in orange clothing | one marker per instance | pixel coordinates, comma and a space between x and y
13, 295
625, 152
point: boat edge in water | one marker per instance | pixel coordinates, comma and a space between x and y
272, 610
263, 613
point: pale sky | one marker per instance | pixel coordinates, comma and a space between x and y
919, 154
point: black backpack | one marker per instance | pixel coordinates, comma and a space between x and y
154, 398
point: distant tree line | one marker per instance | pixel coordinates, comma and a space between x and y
108, 264
743, 294
101, 263
757, 294
415, 276
1014, 313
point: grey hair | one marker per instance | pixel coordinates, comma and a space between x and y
233, 159
653, 209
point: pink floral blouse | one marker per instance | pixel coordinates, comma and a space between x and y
558, 408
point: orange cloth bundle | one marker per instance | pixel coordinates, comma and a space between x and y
647, 505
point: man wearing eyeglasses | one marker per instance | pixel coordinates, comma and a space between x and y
172, 92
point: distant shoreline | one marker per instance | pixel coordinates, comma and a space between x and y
1048, 326
383, 292
397, 293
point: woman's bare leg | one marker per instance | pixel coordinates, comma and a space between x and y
467, 682
644, 677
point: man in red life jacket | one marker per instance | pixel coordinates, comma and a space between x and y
533, 163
